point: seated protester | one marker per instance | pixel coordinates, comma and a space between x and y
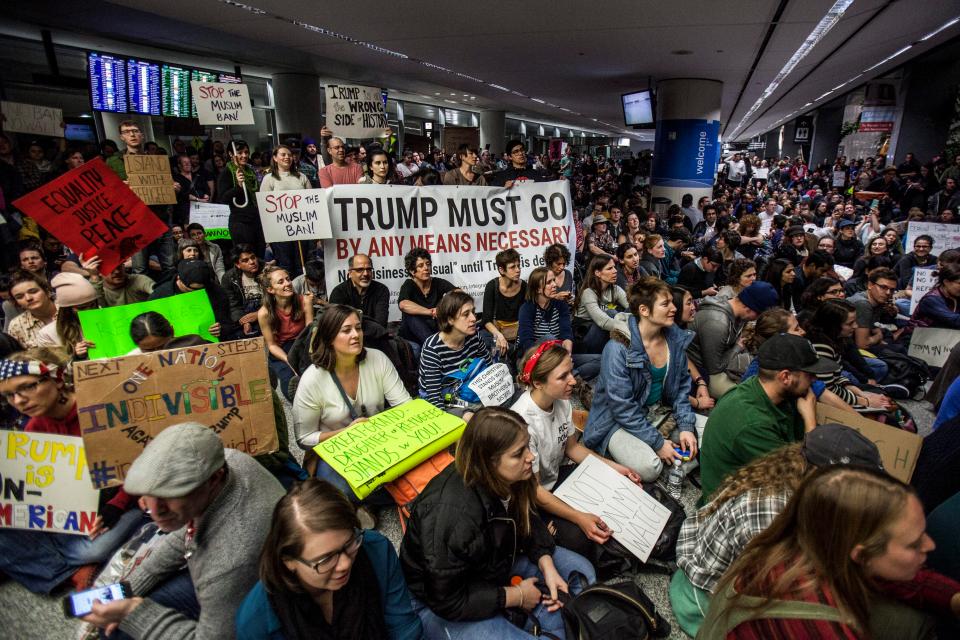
877, 246
32, 259
119, 287
847, 247
817, 292
322, 576
727, 242
502, 298
453, 347
188, 249
697, 276
704, 230
919, 258
557, 258
419, 296
940, 307
781, 274
282, 317
644, 384
653, 252
875, 546
242, 286
37, 384
675, 250
460, 549
686, 310
735, 277
73, 294
209, 251
874, 307
766, 412
597, 302
950, 405
517, 170
194, 275
600, 241
818, 264
858, 284
215, 505
150, 331
33, 296
628, 265
751, 239
717, 327
746, 504
794, 247
312, 281
547, 374
365, 294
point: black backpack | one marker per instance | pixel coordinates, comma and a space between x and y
613, 612
905, 370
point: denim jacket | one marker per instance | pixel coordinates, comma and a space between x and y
620, 394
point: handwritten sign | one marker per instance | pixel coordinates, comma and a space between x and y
932, 344
109, 328
91, 211
46, 486
898, 448
637, 520
215, 219
123, 403
355, 111
945, 236
923, 281
494, 386
32, 118
300, 214
221, 103
389, 444
149, 177
839, 178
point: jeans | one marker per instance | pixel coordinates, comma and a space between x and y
595, 338
41, 560
379, 498
498, 627
417, 328
175, 593
283, 371
288, 255
878, 368
585, 365
164, 248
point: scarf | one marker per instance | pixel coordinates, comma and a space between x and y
249, 177
357, 609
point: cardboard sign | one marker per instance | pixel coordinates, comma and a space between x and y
221, 103
493, 386
389, 444
300, 214
149, 177
933, 345
355, 111
923, 281
46, 486
945, 236
123, 403
91, 211
898, 448
109, 328
636, 519
32, 118
215, 219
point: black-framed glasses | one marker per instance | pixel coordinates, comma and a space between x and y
885, 287
129, 131
362, 269
327, 563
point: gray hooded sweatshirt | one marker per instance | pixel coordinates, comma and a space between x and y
716, 331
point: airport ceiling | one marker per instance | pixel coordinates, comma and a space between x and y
562, 62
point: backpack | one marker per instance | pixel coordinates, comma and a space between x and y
407, 487
906, 370
666, 548
456, 385
613, 612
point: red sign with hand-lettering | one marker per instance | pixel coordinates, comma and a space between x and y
92, 211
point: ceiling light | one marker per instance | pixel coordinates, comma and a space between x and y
945, 25
539, 100
888, 58
497, 86
245, 7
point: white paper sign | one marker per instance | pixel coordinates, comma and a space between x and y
31, 118
300, 214
221, 103
211, 216
945, 236
933, 345
839, 178
494, 386
636, 519
923, 281
355, 111
844, 272
761, 173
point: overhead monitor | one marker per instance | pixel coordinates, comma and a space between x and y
175, 91
107, 75
638, 109
143, 87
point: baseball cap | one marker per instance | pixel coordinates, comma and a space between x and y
787, 351
834, 443
178, 460
795, 230
193, 272
846, 223
759, 296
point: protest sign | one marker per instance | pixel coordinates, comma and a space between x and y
300, 214
221, 103
898, 448
945, 236
932, 344
493, 386
91, 211
389, 444
214, 218
109, 328
355, 111
149, 177
463, 228
761, 173
923, 281
123, 403
31, 118
46, 486
839, 178
636, 518
844, 272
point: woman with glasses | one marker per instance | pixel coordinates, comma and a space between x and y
323, 577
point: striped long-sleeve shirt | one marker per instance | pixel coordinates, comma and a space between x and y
437, 360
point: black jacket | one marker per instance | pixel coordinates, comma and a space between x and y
847, 252
375, 303
695, 278
233, 287
460, 547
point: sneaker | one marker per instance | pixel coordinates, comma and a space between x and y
367, 517
896, 391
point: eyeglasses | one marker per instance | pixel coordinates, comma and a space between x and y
327, 563
27, 388
129, 131
884, 287
362, 269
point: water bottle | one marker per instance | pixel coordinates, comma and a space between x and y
675, 480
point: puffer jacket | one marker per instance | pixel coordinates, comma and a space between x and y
460, 547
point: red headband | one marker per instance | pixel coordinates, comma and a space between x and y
532, 362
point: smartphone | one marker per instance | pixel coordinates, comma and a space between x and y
77, 605
874, 204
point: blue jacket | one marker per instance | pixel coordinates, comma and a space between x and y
936, 310
620, 394
256, 619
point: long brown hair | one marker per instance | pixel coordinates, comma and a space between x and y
68, 326
275, 168
591, 281
768, 324
780, 471
488, 436
328, 326
270, 300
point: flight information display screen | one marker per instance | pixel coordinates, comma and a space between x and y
143, 86
175, 90
108, 82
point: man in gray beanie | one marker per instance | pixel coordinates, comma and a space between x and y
216, 506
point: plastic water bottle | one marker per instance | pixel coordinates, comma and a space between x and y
675, 480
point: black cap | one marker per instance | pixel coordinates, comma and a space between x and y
795, 230
193, 272
839, 444
787, 351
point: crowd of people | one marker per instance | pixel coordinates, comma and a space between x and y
699, 339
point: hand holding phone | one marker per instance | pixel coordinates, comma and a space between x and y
77, 605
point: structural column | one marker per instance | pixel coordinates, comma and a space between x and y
493, 127
687, 146
299, 101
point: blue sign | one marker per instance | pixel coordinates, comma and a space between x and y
686, 153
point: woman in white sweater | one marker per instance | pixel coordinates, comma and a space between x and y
284, 176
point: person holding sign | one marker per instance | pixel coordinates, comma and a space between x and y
284, 176
339, 171
236, 186
282, 317
73, 294
940, 307
458, 554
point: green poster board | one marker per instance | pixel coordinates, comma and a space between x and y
109, 329
389, 444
